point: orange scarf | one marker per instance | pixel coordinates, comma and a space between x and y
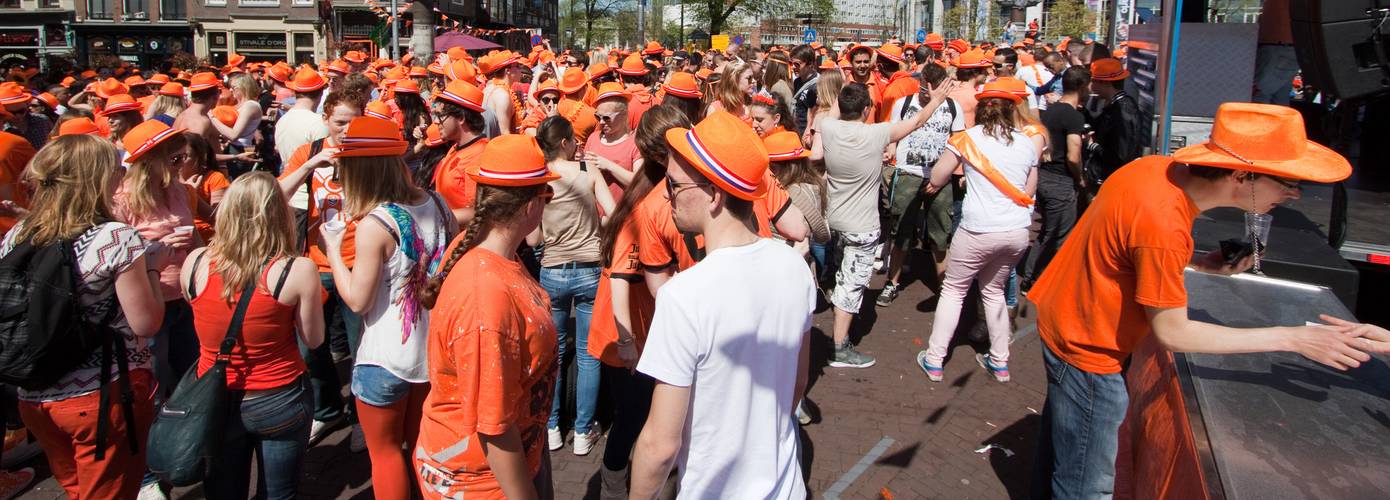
964, 145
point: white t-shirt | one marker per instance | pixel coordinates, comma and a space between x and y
853, 161
985, 208
296, 128
730, 328
921, 148
1035, 76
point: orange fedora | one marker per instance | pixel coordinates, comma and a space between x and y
935, 41
959, 45
999, 89
14, 93
611, 90
1108, 69
48, 100
633, 66
463, 94
573, 80
598, 69
460, 70
547, 86
432, 137
683, 84
512, 160
172, 89
785, 145
203, 81
892, 52
406, 86
974, 58
119, 104
110, 87
371, 136
1266, 139
653, 48
378, 109
145, 136
726, 151
226, 114
306, 80
79, 126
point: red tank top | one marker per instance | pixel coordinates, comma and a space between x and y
267, 354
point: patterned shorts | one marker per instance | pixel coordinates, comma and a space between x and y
856, 268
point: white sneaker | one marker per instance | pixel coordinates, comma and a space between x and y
555, 438
357, 441
152, 492
584, 443
320, 429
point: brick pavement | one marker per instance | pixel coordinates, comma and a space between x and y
934, 428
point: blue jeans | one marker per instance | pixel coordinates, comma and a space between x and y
276, 428
571, 286
818, 256
323, 375
174, 346
377, 386
1079, 436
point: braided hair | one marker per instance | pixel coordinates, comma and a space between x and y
495, 205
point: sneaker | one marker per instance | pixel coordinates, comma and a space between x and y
885, 297
584, 443
357, 441
19, 448
802, 417
152, 491
320, 429
12, 483
556, 439
999, 372
934, 373
847, 357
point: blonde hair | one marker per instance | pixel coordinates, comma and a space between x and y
253, 227
148, 176
828, 88
369, 181
165, 105
732, 98
244, 86
71, 178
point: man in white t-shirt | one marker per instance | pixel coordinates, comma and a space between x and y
299, 126
1035, 75
728, 340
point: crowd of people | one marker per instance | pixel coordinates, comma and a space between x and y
456, 224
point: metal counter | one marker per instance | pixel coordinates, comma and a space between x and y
1277, 425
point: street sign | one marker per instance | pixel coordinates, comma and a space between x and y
921, 35
809, 35
535, 40
738, 40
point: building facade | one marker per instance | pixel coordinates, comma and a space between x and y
140, 32
261, 30
33, 33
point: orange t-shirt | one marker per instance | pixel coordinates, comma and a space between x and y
492, 360
580, 116
898, 86
641, 101
603, 328
1128, 251
451, 179
326, 203
660, 244
15, 153
213, 182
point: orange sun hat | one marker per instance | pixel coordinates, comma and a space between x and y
371, 136
683, 84
79, 126
145, 136
784, 146
726, 151
203, 81
1108, 69
463, 94
120, 103
1267, 139
512, 160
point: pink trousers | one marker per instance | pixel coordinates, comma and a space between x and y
987, 257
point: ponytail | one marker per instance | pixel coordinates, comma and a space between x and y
493, 205
430, 293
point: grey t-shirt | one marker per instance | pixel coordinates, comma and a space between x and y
853, 158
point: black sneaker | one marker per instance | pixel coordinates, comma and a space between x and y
885, 297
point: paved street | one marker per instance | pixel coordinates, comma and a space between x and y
883, 431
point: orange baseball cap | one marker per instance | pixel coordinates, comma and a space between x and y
633, 66
463, 94
203, 81
1000, 90
407, 86
892, 52
432, 137
1108, 69
974, 58
306, 80
935, 41
512, 160
683, 84
1267, 139
145, 136
172, 89
14, 93
547, 86
573, 80
610, 90
598, 69
371, 136
79, 126
111, 87
120, 103
225, 114
726, 151
784, 146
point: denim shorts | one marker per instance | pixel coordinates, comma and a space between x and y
376, 386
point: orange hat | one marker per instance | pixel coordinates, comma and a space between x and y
378, 109
339, 66
306, 80
88, 74
460, 70
120, 103
432, 137
573, 80
384, 63
407, 86
512, 160
225, 114
79, 126
134, 80
203, 81
463, 94
172, 89
633, 66
371, 136
935, 41
373, 77
145, 136
891, 51
281, 73
827, 64
68, 81
703, 73
14, 93
355, 57
974, 58
653, 48
598, 69
1028, 42
726, 151
110, 87
683, 84
849, 53
1108, 69
157, 80
493, 63
417, 71
49, 100
785, 145
959, 45
1000, 90
611, 89
457, 54
436, 66
1266, 139
1066, 40
544, 87
235, 59
1014, 86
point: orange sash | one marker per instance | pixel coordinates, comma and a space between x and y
964, 145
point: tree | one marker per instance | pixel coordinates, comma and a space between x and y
1070, 18
718, 13
592, 11
964, 21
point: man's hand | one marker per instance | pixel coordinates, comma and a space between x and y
1328, 345
1215, 263
1372, 338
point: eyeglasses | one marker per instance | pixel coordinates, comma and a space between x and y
1287, 185
1001, 65
441, 117
550, 100
674, 188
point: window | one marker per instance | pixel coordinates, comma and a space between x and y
215, 3
99, 9
49, 3
136, 9
172, 9
303, 3
259, 3
9, 4
303, 41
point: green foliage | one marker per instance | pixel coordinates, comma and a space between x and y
1070, 18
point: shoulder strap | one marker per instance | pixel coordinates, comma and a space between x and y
234, 327
445, 215
390, 228
193, 276
284, 273
907, 106
951, 107
977, 160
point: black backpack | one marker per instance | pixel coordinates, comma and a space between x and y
42, 332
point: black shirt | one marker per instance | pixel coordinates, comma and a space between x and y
1061, 120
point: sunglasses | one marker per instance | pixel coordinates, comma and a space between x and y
1286, 184
550, 100
1001, 65
674, 188
605, 118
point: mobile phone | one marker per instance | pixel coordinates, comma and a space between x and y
1235, 249
583, 166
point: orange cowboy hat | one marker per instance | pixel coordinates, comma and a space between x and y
433, 139
157, 79
974, 58
653, 48
355, 57
111, 87
281, 73
48, 99
418, 71
203, 81
545, 87
226, 114
460, 70
371, 136
1000, 89
598, 69
338, 66
683, 84
512, 160
14, 93
119, 104
1108, 69
172, 89
610, 90
306, 80
378, 109
145, 136
1265, 139
633, 66
784, 146
463, 94
959, 45
726, 151
235, 59
79, 126
406, 86
573, 80
892, 52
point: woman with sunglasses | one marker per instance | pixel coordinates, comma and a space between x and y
734, 90
612, 147
492, 348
